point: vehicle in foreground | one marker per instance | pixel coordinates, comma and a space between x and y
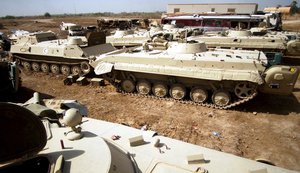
72, 143
222, 78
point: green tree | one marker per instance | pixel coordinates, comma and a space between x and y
48, 15
294, 7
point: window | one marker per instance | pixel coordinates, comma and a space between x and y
231, 10
212, 10
176, 10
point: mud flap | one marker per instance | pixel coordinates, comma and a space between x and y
103, 68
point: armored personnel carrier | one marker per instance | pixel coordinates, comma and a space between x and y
42, 51
222, 78
128, 38
245, 40
76, 144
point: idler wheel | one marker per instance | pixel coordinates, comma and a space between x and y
221, 98
35, 66
160, 90
26, 66
45, 68
76, 70
65, 70
198, 95
143, 87
128, 85
85, 67
177, 91
54, 68
244, 89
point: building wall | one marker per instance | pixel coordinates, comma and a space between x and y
241, 8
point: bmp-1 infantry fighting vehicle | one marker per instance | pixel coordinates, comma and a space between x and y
76, 144
245, 40
223, 78
42, 51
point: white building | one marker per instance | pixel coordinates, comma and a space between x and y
238, 8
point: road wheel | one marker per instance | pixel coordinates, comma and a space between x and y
35, 66
65, 70
54, 68
221, 98
26, 66
128, 85
198, 95
177, 91
160, 90
76, 70
85, 67
143, 87
45, 67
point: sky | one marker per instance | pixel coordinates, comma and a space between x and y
40, 7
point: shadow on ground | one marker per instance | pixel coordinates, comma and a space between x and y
274, 104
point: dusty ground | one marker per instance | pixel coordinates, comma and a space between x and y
267, 127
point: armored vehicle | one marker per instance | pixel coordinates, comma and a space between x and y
42, 51
245, 40
128, 38
222, 78
73, 29
73, 143
9, 76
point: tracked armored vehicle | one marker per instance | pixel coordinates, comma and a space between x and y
186, 71
42, 51
245, 40
128, 38
71, 143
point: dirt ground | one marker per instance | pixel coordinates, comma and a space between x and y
267, 127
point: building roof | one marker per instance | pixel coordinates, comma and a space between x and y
219, 4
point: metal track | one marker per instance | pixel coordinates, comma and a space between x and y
209, 105
49, 62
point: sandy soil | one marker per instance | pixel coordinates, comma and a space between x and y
267, 127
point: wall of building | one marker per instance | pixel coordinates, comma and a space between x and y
241, 8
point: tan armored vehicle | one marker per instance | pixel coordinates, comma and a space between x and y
128, 38
76, 144
73, 29
245, 40
42, 51
223, 78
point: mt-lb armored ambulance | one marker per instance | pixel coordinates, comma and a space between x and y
75, 144
222, 78
42, 51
